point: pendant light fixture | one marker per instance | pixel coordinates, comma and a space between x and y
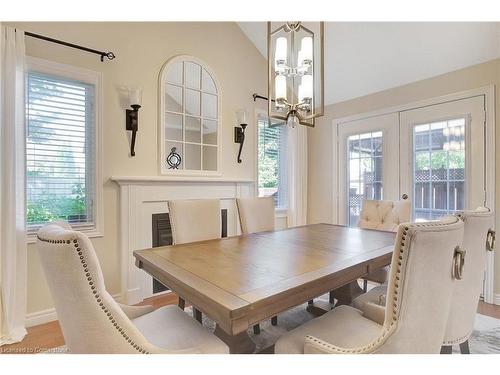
295, 71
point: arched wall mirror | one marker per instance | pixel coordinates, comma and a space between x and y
189, 118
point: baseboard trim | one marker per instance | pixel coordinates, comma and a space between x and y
496, 299
49, 315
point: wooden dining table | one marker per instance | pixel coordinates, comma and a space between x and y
243, 280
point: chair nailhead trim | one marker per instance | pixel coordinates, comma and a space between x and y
389, 327
94, 291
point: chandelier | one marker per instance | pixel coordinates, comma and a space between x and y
295, 71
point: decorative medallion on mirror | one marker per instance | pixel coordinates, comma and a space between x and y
189, 118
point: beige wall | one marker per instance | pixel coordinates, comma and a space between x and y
141, 50
320, 138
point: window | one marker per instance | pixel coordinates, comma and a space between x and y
365, 171
438, 169
60, 148
189, 114
272, 176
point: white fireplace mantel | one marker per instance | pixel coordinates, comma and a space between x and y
139, 180
143, 196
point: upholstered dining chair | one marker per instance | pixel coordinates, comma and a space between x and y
93, 322
382, 215
478, 238
194, 220
414, 317
257, 215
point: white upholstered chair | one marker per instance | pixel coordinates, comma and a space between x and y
194, 220
257, 215
418, 300
478, 226
93, 322
383, 215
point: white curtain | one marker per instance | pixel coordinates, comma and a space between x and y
297, 175
12, 187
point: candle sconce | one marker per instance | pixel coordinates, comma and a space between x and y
239, 131
132, 116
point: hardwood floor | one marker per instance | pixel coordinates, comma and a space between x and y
49, 335
488, 309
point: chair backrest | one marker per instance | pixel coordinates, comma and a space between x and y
91, 320
384, 215
194, 220
467, 290
420, 286
256, 214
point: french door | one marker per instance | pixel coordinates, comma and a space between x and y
434, 156
367, 162
442, 157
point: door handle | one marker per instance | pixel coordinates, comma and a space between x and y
404, 196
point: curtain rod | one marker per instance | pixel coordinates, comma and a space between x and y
109, 55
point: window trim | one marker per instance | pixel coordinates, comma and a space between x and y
280, 212
94, 78
162, 169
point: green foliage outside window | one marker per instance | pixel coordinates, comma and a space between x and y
268, 156
55, 207
440, 160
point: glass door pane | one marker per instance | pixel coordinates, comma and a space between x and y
438, 169
364, 179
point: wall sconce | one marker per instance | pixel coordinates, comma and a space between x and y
132, 115
239, 131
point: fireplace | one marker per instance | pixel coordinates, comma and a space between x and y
141, 197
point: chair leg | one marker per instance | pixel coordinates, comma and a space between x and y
331, 297
446, 349
197, 314
464, 347
274, 320
182, 303
256, 329
365, 285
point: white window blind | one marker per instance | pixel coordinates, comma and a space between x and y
272, 165
59, 150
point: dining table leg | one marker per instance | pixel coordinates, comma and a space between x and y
238, 344
347, 293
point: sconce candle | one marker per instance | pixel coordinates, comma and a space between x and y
135, 96
132, 115
239, 131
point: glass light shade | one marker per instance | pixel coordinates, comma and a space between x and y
306, 47
135, 95
280, 87
300, 59
306, 88
281, 50
242, 116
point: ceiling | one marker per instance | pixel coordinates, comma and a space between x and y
366, 57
